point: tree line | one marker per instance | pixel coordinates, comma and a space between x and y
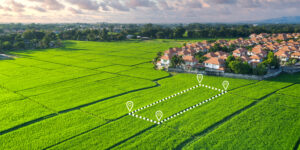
210, 30
92, 35
20, 36
30, 39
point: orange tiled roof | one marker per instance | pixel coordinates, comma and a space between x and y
215, 61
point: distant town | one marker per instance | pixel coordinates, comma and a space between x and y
254, 55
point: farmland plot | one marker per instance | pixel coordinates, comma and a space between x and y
49, 132
75, 97
193, 123
272, 124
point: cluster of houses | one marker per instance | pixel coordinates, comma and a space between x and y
285, 47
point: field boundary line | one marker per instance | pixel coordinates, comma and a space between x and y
174, 95
60, 81
86, 131
127, 139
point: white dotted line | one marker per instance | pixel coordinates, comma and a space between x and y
178, 113
192, 107
144, 118
181, 92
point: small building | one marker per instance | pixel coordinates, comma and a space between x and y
214, 63
190, 60
296, 55
282, 55
240, 52
165, 61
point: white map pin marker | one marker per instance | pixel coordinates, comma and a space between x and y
225, 84
159, 115
129, 105
199, 78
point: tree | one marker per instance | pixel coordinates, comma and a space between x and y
104, 35
7, 45
271, 60
176, 61
29, 35
178, 32
19, 45
158, 56
91, 37
46, 40
202, 59
236, 66
260, 69
160, 35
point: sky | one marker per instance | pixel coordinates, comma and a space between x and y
144, 11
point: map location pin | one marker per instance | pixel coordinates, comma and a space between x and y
129, 105
225, 84
199, 78
159, 115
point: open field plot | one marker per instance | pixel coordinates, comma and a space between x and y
67, 98
66, 84
18, 112
186, 127
145, 73
178, 103
260, 89
49, 132
115, 107
110, 134
75, 97
8, 96
292, 91
272, 124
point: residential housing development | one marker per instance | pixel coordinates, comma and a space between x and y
252, 50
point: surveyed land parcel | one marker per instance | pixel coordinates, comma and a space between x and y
75, 98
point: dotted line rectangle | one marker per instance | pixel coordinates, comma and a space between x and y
181, 112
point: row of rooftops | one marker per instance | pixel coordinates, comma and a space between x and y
263, 42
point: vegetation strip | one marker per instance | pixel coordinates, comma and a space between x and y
181, 112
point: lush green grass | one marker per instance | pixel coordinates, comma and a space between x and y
71, 97
116, 68
90, 83
49, 132
188, 124
292, 91
260, 89
8, 96
67, 84
145, 73
18, 112
178, 103
107, 135
272, 124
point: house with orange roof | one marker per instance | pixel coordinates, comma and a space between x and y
190, 60
256, 58
246, 59
258, 50
295, 55
240, 52
283, 55
165, 61
214, 63
210, 55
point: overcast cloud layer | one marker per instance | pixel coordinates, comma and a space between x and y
144, 11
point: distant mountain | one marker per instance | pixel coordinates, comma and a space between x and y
282, 20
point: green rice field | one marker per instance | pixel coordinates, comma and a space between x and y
75, 97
